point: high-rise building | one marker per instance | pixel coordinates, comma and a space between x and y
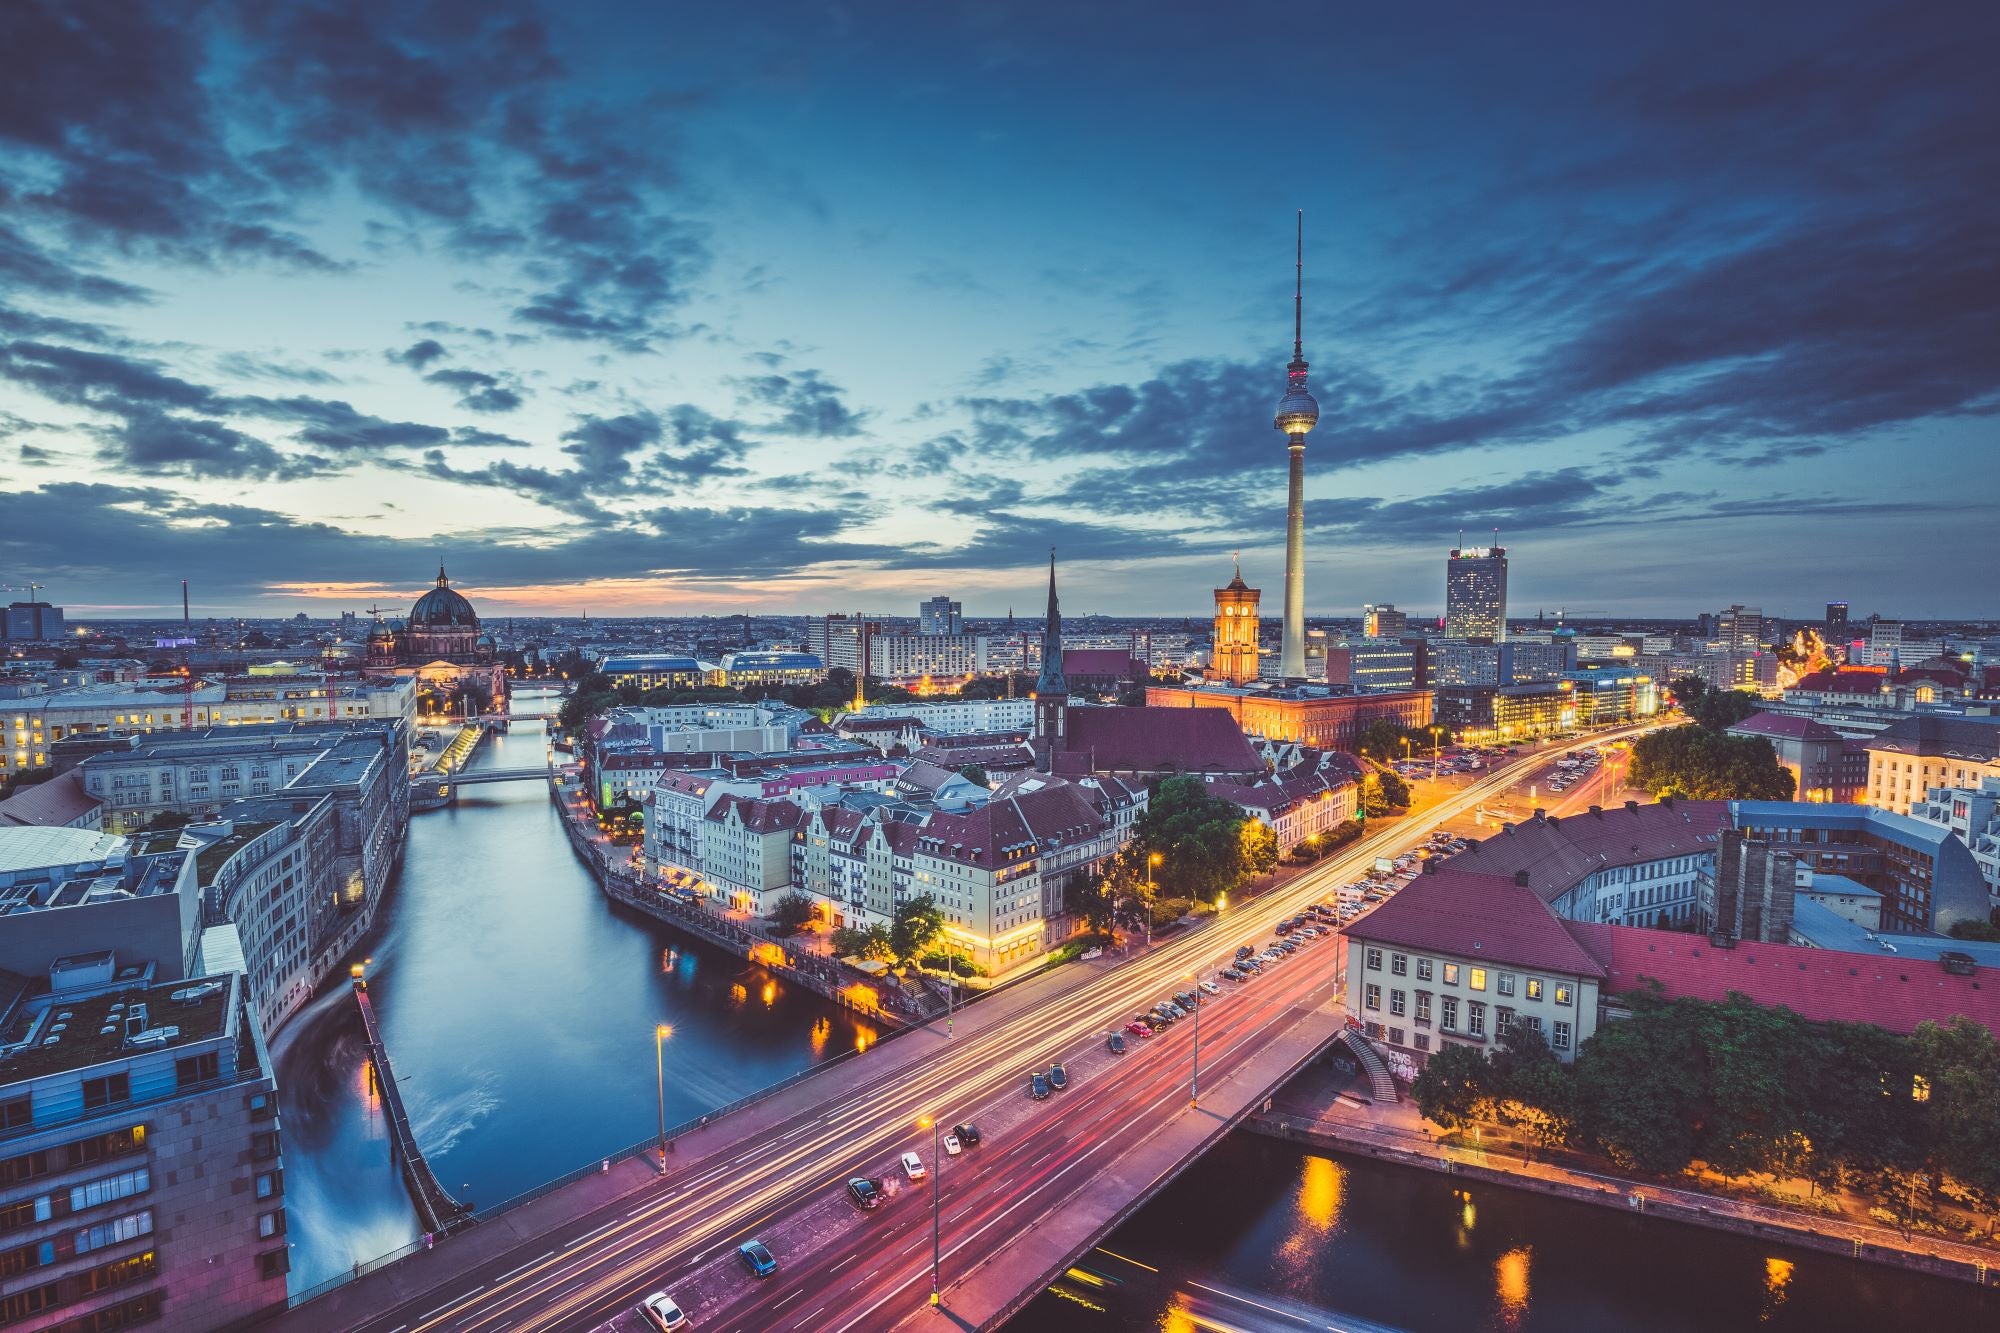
1836, 621
1475, 593
31, 622
1742, 629
940, 615
1236, 623
1384, 621
1297, 414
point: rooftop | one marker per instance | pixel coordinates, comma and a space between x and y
25, 848
1972, 738
1161, 740
43, 804
75, 1034
1560, 853
1783, 727
1476, 916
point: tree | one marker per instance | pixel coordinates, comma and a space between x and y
1197, 837
1258, 847
975, 773
1531, 1089
1092, 899
1455, 1087
870, 943
1975, 930
1384, 790
1640, 1085
1960, 1065
791, 912
915, 927
1709, 765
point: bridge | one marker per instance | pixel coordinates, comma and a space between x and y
1047, 1182
439, 1212
539, 774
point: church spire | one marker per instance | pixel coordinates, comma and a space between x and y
1052, 680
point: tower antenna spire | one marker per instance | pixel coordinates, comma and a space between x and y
1299, 292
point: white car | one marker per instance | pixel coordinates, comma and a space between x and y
913, 1166
1088, 954
1211, 988
952, 1147
660, 1311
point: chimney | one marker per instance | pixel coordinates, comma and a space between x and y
1521, 878
1633, 806
1431, 866
1667, 801
1597, 810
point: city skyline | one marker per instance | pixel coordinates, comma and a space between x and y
291, 302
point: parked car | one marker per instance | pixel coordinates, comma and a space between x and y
1058, 1076
1185, 1000
1038, 1087
1209, 988
952, 1147
1284, 927
1139, 1028
1115, 1043
1090, 953
660, 1311
967, 1133
864, 1192
1250, 964
1245, 952
1231, 974
757, 1258
913, 1166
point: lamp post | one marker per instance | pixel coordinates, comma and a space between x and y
1151, 861
1434, 751
660, 1035
937, 1169
1194, 1082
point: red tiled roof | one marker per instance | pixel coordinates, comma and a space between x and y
1559, 854
1162, 740
1824, 985
1476, 917
1781, 726
757, 815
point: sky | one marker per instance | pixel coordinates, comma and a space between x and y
674, 308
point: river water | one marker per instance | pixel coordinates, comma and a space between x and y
518, 1006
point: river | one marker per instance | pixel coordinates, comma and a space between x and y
518, 1006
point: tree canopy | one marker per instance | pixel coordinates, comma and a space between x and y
1199, 840
915, 927
1713, 710
1709, 765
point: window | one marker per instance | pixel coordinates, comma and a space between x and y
263, 1106
1396, 1036
36, 1254
1503, 1021
1533, 1021
1534, 988
1423, 1041
196, 1069
274, 1263
1506, 983
1424, 966
1475, 1018
17, 1113
1423, 1008
1476, 978
118, 1272
1399, 963
117, 1230
1451, 974
1396, 1003
264, 1144
24, 1303
110, 1189
1562, 994
1450, 1013
99, 1093
271, 1224
1371, 996
1374, 960
1561, 1040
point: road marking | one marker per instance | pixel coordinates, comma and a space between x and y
814, 1315
843, 1263
794, 1296
440, 1310
588, 1235
1245, 1300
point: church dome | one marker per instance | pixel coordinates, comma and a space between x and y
442, 608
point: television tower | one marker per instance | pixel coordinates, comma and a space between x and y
1297, 414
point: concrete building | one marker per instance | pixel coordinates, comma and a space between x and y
1825, 766
1326, 717
940, 615
1384, 621
1502, 714
1378, 664
1916, 754
1927, 877
737, 670
1464, 662
652, 671
959, 718
1234, 659
67, 893
1973, 815
1607, 696
1475, 593
905, 656
1637, 864
1755, 885
140, 1172
32, 622
1742, 629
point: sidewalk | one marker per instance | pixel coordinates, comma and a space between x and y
1328, 1110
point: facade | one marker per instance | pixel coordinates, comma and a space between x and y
1384, 621
1460, 958
1326, 717
904, 656
1742, 629
962, 718
1304, 803
269, 868
31, 622
1908, 759
1825, 766
1927, 877
1378, 663
65, 893
940, 615
746, 854
1973, 814
652, 671
1610, 696
739, 669
1475, 593
1234, 659
441, 647
1523, 662
1506, 713
1630, 865
140, 1176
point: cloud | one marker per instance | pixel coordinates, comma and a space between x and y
805, 404
418, 355
477, 390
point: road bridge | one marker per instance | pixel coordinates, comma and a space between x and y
1048, 1181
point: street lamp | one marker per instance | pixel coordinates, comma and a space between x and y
1155, 859
660, 1035
1194, 1082
937, 1169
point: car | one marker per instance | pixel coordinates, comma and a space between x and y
1058, 1076
1245, 952
952, 1147
1115, 1043
1231, 974
967, 1133
1284, 927
1210, 988
660, 1311
757, 1258
864, 1192
1091, 953
1185, 1000
1250, 964
1038, 1087
1139, 1029
913, 1166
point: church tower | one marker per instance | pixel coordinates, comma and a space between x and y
1051, 687
1234, 661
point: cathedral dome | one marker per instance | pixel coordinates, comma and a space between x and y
442, 608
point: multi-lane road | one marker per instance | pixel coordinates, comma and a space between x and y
845, 1270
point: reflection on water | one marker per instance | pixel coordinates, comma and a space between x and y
1260, 1236
519, 1008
